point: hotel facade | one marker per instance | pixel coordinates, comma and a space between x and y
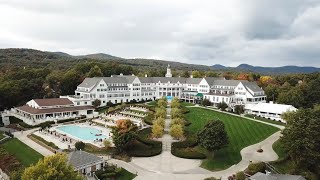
125, 88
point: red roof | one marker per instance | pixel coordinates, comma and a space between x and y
32, 110
53, 102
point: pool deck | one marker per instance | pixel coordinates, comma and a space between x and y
64, 145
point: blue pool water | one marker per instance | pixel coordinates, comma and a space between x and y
84, 133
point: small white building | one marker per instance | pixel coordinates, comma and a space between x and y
85, 163
269, 110
37, 111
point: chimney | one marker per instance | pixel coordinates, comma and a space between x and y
121, 74
146, 75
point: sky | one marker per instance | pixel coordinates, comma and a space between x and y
229, 32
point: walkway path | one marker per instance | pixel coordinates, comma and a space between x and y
22, 136
166, 166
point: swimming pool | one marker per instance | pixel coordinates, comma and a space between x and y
84, 133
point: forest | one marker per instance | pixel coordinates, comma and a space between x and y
27, 74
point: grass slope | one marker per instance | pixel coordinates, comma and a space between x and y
125, 175
22, 152
241, 132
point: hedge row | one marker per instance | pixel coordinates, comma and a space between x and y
145, 147
188, 153
185, 149
50, 144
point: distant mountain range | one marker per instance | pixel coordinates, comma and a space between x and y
30, 57
269, 70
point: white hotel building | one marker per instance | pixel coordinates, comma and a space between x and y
124, 88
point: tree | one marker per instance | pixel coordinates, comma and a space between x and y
213, 136
239, 109
196, 74
240, 176
95, 72
206, 102
110, 104
51, 167
160, 121
80, 145
157, 130
293, 97
223, 106
300, 140
256, 167
185, 74
107, 144
162, 102
123, 134
179, 121
175, 103
212, 74
176, 113
45, 125
96, 103
176, 131
160, 113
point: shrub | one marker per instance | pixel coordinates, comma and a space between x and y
149, 118
188, 153
80, 145
107, 143
240, 176
143, 146
157, 130
176, 131
179, 121
223, 106
206, 102
256, 167
176, 113
160, 121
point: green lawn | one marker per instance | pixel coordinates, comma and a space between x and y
241, 132
184, 104
22, 152
125, 175
1, 135
152, 103
277, 147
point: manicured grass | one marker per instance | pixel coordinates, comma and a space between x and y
265, 120
1, 135
152, 103
125, 175
22, 152
277, 147
241, 133
184, 104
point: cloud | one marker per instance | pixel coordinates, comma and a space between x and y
266, 32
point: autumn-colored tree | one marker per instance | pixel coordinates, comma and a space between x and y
176, 113
176, 131
175, 103
179, 121
242, 76
265, 80
160, 121
51, 167
160, 113
157, 130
